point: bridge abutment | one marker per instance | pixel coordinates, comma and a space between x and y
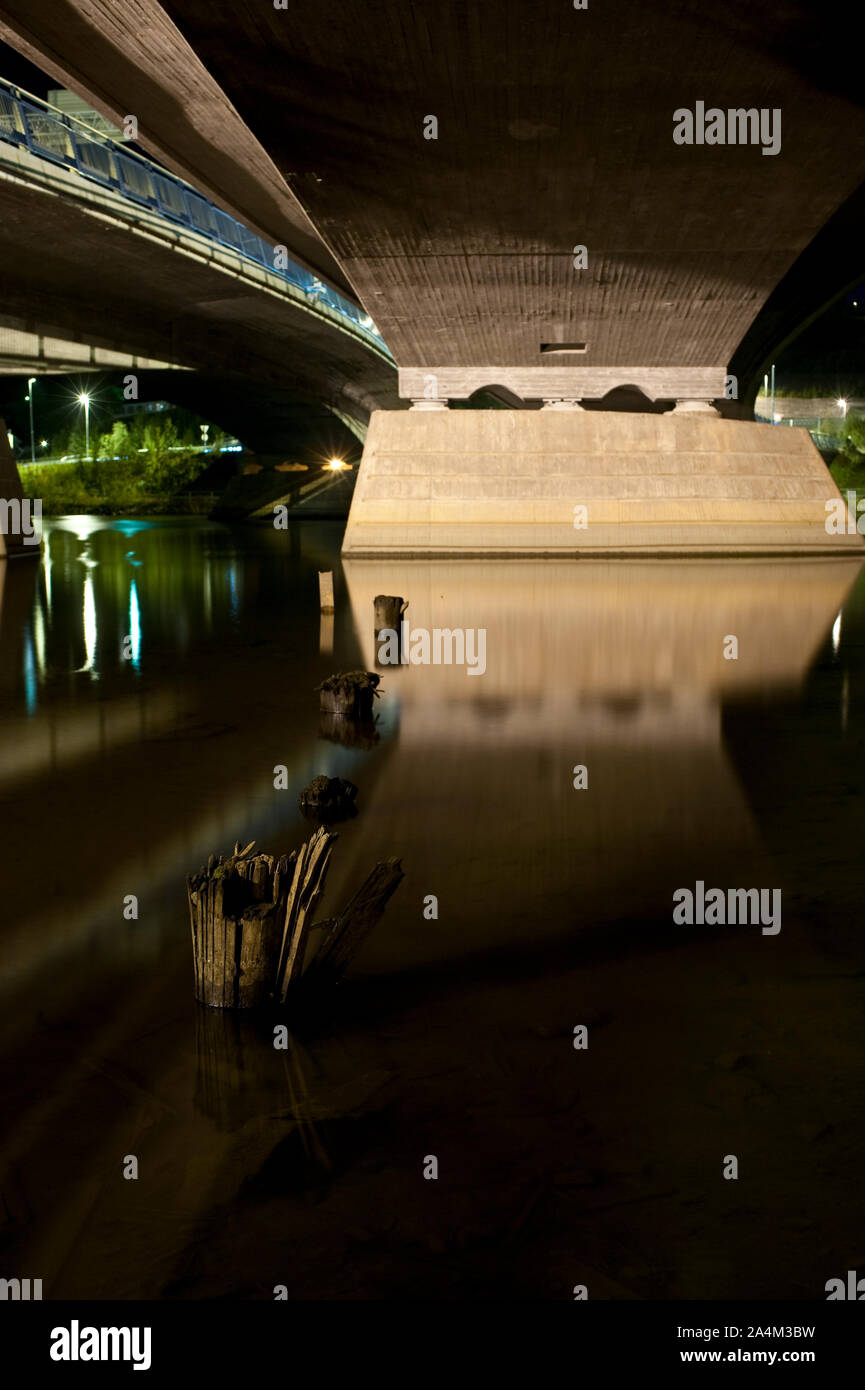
559, 481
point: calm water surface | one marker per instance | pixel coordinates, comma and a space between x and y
154, 674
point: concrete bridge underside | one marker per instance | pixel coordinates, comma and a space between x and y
80, 264
553, 129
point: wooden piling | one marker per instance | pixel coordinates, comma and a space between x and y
329, 799
388, 610
350, 693
236, 911
251, 917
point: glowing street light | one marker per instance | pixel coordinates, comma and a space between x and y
336, 464
84, 400
842, 405
31, 382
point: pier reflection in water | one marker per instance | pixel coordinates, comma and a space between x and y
153, 675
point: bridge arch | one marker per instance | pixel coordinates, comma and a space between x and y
495, 397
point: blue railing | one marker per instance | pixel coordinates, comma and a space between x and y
51, 134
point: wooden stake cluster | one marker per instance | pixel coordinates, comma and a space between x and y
350, 693
251, 920
236, 911
329, 799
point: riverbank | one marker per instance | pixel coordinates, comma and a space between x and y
114, 488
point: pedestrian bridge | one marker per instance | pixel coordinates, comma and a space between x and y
109, 260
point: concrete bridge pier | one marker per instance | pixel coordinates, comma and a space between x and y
564, 480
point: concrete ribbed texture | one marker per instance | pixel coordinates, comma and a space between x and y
508, 482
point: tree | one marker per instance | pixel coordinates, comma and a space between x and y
116, 444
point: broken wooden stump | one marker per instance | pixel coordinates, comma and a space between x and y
329, 799
350, 694
237, 910
388, 609
252, 928
313, 860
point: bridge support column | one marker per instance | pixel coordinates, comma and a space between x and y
564, 481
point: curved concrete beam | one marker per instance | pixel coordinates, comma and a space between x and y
127, 58
158, 291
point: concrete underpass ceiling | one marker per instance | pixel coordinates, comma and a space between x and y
555, 130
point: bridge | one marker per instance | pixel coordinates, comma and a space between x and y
552, 203
143, 272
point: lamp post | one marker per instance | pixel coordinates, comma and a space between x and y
84, 399
31, 382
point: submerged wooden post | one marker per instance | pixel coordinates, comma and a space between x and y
251, 921
329, 798
351, 693
236, 912
388, 609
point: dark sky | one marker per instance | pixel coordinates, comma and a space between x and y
17, 70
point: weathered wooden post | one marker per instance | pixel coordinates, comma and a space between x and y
351, 694
388, 609
237, 911
251, 920
329, 799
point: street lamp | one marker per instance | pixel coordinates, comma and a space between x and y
84, 400
31, 382
842, 404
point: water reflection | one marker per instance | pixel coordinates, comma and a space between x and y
616, 667
121, 772
146, 698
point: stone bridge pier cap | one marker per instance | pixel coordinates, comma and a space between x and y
564, 387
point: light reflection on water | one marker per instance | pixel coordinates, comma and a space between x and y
120, 774
158, 689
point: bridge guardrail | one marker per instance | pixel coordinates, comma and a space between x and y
51, 134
